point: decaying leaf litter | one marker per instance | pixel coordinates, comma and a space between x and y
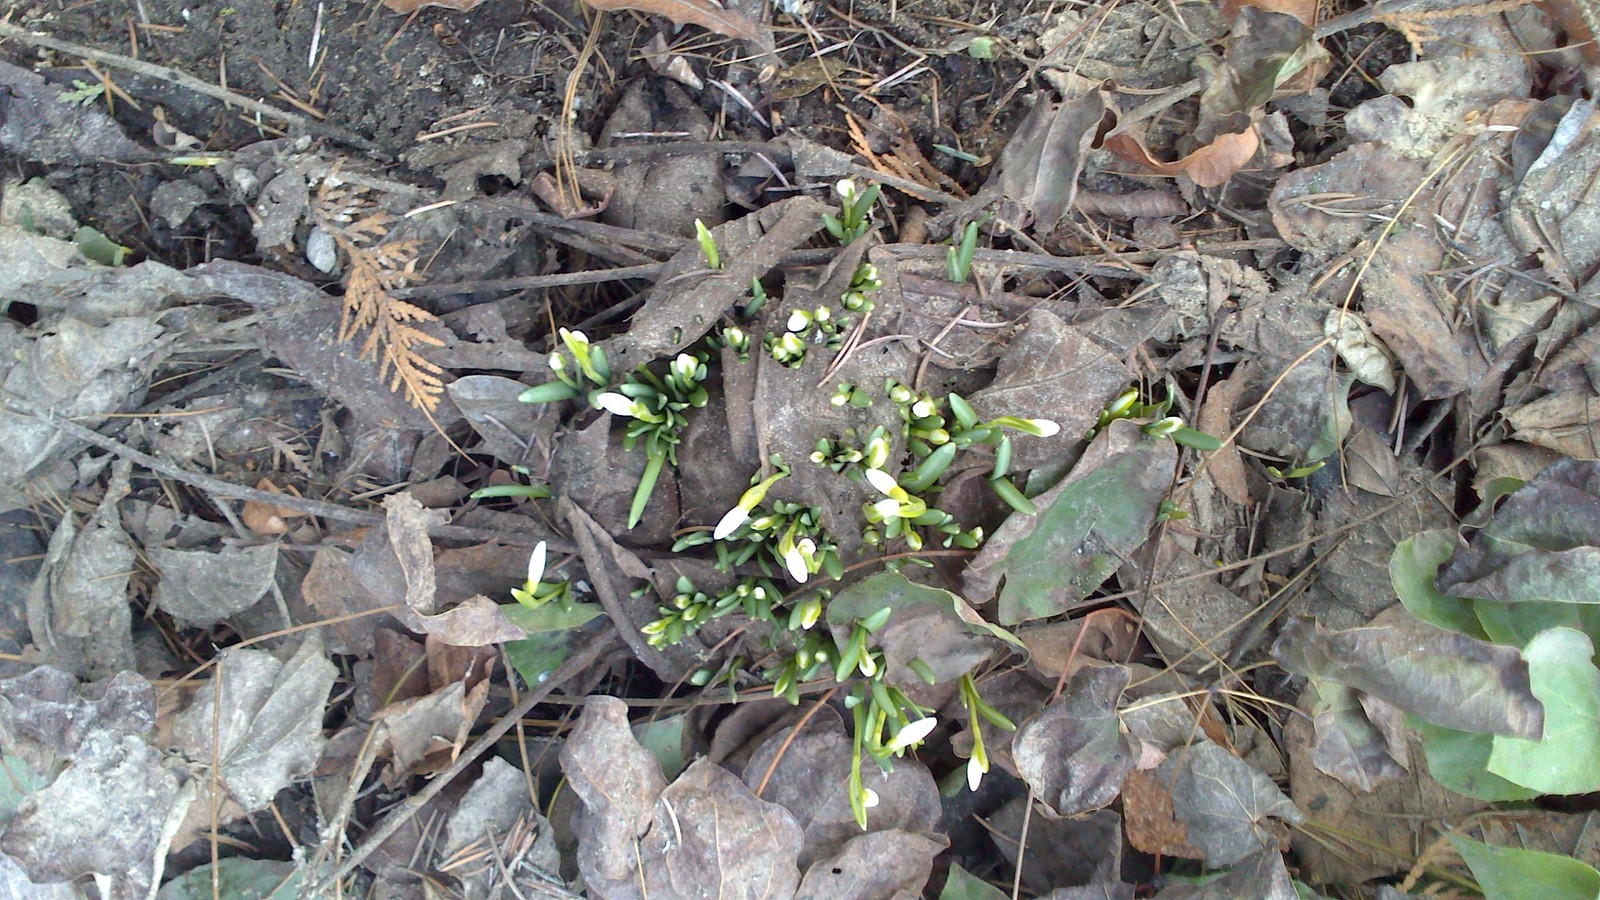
1041, 413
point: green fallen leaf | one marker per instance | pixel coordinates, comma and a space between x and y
1413, 569
1562, 674
238, 878
963, 885
1458, 760
1506, 873
550, 616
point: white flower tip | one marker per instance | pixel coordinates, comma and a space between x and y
974, 774
888, 507
730, 522
1045, 427
614, 403
870, 800
881, 480
796, 564
536, 561
845, 188
913, 733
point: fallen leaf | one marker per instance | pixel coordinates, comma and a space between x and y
712, 837
475, 622
406, 7
1543, 544
707, 14
926, 623
202, 588
1360, 740
1052, 371
60, 832
1565, 759
617, 783
1152, 826
1209, 166
1446, 678
705, 834
1074, 755
77, 607
1086, 527
1226, 804
1039, 167
687, 299
427, 732
259, 721
879, 864
810, 781
49, 707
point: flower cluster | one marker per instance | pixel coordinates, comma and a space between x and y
586, 374
658, 406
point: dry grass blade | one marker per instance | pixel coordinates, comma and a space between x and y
708, 14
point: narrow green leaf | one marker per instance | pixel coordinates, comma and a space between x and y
549, 392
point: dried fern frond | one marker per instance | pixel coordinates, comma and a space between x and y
376, 269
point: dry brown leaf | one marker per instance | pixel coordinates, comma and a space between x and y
1151, 824
1208, 166
264, 519
1225, 467
708, 14
406, 7
1304, 10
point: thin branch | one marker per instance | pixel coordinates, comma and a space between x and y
218, 487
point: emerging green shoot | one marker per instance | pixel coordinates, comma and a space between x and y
958, 259
855, 206
708, 245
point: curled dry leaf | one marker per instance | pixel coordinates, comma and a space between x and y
406, 7
708, 14
1208, 166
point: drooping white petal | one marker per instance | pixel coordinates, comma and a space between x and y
796, 564
616, 404
881, 480
845, 188
536, 561
730, 522
871, 798
888, 507
913, 733
974, 773
1045, 427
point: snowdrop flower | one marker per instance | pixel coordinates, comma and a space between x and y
618, 405
796, 559
877, 453
810, 612
913, 733
882, 480
870, 798
1044, 427
536, 561
799, 321
846, 189
975, 770
686, 368
923, 408
888, 507
748, 501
